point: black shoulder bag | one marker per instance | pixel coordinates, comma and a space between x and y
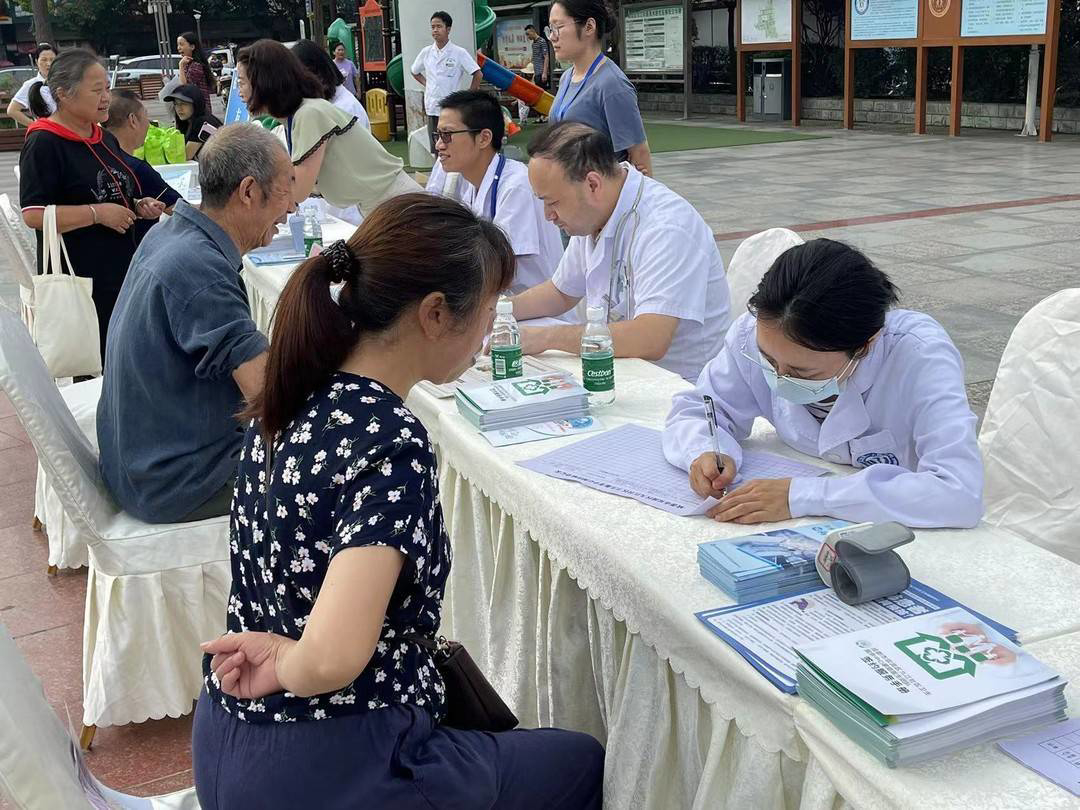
472, 704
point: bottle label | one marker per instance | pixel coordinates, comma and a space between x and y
598, 373
506, 362
311, 241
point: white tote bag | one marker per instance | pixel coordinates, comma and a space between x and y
63, 322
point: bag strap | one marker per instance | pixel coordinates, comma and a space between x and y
53, 246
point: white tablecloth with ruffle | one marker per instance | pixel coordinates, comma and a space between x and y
579, 605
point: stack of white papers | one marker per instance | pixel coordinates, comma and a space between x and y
765, 565
923, 687
767, 633
523, 401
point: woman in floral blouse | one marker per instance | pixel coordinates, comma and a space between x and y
316, 697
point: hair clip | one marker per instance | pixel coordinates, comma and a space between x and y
340, 259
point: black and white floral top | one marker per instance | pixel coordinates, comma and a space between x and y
354, 469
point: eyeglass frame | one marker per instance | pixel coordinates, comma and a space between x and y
801, 384
553, 33
447, 135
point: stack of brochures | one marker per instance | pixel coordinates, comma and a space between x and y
767, 565
522, 401
925, 686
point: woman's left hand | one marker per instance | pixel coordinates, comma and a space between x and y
763, 500
149, 208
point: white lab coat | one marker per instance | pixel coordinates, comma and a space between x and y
520, 214
667, 264
902, 419
344, 100
444, 72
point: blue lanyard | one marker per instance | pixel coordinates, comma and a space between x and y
560, 109
495, 183
288, 135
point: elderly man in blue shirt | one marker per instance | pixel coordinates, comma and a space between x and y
183, 354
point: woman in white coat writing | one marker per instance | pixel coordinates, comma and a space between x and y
842, 376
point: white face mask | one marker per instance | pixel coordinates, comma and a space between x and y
797, 391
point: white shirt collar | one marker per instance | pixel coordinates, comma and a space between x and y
627, 195
485, 184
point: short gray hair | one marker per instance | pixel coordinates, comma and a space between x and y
233, 153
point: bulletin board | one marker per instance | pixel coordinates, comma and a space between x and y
958, 24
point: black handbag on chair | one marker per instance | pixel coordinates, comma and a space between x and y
472, 704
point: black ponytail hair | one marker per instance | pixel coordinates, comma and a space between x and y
409, 247
826, 296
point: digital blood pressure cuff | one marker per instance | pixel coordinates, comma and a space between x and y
859, 562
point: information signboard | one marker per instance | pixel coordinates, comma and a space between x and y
765, 21
653, 38
512, 47
1003, 18
884, 19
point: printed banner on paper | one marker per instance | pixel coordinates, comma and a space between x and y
765, 21
1003, 18
654, 38
884, 19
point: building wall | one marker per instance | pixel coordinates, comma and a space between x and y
873, 111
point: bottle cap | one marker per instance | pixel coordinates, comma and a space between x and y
504, 307
596, 313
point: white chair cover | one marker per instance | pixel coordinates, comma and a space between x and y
67, 545
23, 238
752, 259
41, 767
152, 593
1029, 438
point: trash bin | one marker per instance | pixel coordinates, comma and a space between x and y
772, 89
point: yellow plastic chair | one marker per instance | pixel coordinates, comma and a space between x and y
375, 102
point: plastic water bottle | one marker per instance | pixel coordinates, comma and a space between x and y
598, 359
505, 343
312, 231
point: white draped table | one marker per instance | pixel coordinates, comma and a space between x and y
579, 606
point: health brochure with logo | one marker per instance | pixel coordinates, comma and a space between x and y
926, 685
768, 633
522, 401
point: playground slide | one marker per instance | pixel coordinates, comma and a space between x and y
485, 28
517, 86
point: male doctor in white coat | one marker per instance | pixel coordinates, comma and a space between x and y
843, 377
468, 140
636, 248
441, 68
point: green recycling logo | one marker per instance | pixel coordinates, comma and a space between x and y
943, 658
535, 387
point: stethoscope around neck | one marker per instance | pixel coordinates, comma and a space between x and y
621, 271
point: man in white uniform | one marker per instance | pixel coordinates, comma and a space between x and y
440, 68
636, 248
468, 141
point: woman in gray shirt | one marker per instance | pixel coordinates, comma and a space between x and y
595, 92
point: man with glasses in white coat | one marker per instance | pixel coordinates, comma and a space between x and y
468, 141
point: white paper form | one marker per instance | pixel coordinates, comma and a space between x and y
1053, 752
629, 461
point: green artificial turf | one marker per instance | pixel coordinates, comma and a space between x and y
664, 138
